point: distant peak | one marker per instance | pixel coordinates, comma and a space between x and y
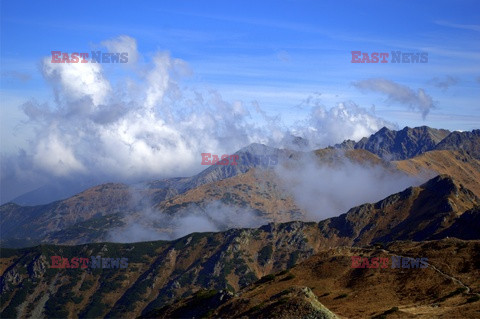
257, 148
384, 129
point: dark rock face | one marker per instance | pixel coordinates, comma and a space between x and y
468, 142
399, 145
410, 142
467, 226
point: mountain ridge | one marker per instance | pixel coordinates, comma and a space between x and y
398, 145
88, 215
161, 271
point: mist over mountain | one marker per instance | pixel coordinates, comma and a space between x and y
291, 185
387, 144
93, 134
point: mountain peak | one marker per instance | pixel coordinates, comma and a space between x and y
257, 149
468, 142
441, 184
384, 129
397, 145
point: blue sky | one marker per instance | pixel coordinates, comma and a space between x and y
276, 52
290, 58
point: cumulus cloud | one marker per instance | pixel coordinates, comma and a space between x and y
444, 83
344, 121
75, 81
90, 127
396, 92
146, 129
149, 126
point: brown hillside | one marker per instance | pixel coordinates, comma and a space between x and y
257, 189
463, 167
445, 289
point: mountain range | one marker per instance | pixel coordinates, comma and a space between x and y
291, 266
409, 142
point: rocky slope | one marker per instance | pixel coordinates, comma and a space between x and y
326, 286
462, 166
32, 222
159, 272
410, 142
468, 142
108, 204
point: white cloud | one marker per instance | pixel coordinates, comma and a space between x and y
152, 127
74, 81
345, 121
122, 44
53, 155
158, 80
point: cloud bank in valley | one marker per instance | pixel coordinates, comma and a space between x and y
321, 188
150, 224
326, 190
147, 125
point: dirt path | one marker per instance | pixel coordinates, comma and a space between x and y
456, 280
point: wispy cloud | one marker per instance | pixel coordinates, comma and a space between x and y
472, 27
445, 82
20, 76
396, 92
